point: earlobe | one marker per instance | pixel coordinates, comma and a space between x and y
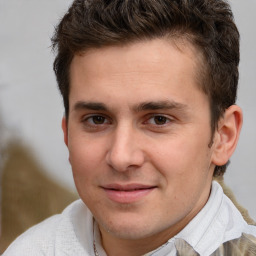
227, 135
64, 126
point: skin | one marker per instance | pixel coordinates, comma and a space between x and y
138, 120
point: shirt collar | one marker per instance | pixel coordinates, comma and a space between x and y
198, 228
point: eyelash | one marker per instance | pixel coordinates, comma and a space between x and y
165, 119
89, 121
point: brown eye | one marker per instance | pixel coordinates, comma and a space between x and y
160, 120
98, 119
95, 123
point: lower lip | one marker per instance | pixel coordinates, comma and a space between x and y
126, 197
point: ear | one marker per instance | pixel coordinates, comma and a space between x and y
227, 135
64, 126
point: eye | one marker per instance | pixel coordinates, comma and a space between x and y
95, 120
159, 120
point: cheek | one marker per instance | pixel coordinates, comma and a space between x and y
86, 168
85, 159
184, 166
178, 158
84, 151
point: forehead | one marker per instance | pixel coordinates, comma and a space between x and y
149, 50
148, 67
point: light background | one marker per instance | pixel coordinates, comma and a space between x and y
31, 107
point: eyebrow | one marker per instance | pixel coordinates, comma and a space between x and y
80, 105
158, 105
144, 106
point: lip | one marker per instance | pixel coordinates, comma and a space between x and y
127, 193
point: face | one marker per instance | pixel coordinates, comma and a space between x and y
138, 135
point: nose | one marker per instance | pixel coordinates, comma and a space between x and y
125, 151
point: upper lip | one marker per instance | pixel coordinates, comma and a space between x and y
127, 187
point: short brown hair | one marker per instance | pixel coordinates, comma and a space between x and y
208, 24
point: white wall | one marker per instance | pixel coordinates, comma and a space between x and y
31, 107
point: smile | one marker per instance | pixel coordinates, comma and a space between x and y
127, 193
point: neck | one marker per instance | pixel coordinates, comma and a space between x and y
125, 247
115, 246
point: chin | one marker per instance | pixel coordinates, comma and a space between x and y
132, 230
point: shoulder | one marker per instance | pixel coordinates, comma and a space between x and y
60, 232
217, 223
38, 240
244, 245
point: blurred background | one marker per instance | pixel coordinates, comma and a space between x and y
31, 140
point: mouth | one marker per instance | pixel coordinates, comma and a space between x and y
127, 193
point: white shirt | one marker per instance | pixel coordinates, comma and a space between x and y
71, 233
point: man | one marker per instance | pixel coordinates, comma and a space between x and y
149, 90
